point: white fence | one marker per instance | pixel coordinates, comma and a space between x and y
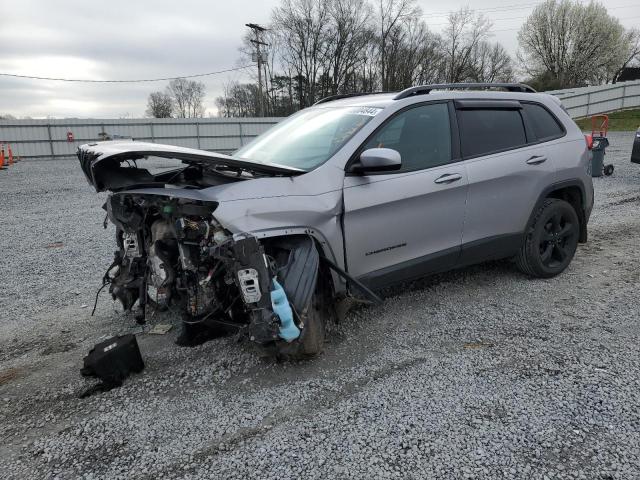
586, 101
50, 138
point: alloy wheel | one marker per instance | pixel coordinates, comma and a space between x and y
557, 240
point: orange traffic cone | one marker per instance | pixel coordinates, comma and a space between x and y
10, 154
2, 160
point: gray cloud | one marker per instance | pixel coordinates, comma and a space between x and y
124, 39
116, 40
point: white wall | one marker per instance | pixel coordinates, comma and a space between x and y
48, 138
587, 101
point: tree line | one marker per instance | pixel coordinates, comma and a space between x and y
181, 99
318, 48
326, 47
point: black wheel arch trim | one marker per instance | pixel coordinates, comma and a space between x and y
583, 213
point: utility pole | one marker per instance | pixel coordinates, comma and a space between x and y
257, 30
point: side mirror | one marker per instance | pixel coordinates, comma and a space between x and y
377, 160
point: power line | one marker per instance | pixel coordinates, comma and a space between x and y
518, 28
522, 18
510, 8
492, 20
32, 77
502, 8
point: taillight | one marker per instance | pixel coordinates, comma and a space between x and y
589, 140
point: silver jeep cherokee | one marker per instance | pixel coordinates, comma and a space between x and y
351, 195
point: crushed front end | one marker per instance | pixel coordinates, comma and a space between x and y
173, 253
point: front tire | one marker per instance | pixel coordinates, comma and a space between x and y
312, 337
550, 241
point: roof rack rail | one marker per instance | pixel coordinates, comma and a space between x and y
345, 95
425, 89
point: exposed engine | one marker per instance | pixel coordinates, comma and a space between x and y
174, 253
165, 256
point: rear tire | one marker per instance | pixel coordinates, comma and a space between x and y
550, 241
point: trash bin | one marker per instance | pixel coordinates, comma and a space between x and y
599, 129
635, 153
598, 151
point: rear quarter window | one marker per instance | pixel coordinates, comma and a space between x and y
483, 131
544, 125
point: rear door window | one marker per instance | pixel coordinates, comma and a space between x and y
544, 125
485, 131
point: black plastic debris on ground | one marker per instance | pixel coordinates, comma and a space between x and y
112, 361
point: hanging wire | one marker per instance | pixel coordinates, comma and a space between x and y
141, 80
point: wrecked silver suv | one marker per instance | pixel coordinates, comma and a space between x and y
349, 195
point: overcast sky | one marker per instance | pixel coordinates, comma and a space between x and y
120, 39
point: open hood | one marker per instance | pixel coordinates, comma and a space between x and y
113, 166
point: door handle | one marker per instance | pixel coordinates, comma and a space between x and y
448, 178
537, 160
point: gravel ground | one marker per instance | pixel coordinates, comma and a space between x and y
478, 373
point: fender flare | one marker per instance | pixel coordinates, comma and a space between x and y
575, 182
582, 214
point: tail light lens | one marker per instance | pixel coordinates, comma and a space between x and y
589, 140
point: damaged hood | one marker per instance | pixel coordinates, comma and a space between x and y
111, 165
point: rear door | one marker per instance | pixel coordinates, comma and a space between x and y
507, 172
407, 223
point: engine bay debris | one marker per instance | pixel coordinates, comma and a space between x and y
173, 253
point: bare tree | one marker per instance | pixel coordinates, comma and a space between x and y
574, 44
630, 53
350, 32
412, 55
491, 63
369, 75
461, 38
238, 100
178, 90
159, 105
195, 103
187, 97
302, 25
324, 47
390, 14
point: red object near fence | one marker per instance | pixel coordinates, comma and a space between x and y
600, 125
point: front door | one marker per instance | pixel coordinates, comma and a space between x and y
407, 223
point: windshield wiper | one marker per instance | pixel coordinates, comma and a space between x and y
237, 171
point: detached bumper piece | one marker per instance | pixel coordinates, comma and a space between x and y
112, 361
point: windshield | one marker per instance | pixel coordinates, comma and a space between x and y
307, 139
